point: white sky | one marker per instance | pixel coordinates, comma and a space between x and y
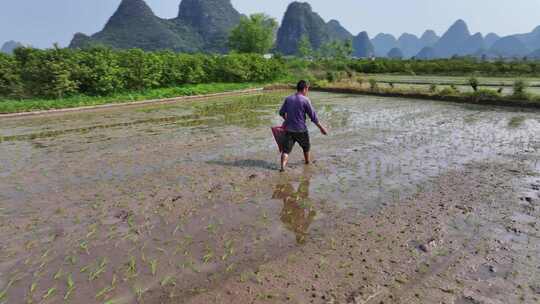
42, 22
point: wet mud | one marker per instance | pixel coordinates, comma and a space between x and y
407, 202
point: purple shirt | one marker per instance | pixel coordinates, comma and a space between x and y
296, 107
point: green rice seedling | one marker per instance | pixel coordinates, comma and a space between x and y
3, 294
212, 228
229, 268
191, 266
229, 250
208, 256
143, 256
86, 268
49, 293
153, 266
131, 267
84, 246
33, 287
58, 274
15, 279
110, 302
114, 280
168, 280
139, 292
176, 229
101, 268
45, 254
71, 259
104, 291
92, 231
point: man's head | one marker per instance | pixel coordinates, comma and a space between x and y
302, 87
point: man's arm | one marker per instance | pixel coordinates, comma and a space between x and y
283, 110
310, 111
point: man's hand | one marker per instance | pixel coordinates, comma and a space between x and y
323, 129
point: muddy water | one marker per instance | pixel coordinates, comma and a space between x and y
160, 203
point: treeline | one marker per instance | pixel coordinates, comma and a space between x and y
451, 67
58, 72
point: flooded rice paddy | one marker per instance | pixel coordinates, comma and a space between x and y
412, 201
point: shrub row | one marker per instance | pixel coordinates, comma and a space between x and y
57, 73
457, 66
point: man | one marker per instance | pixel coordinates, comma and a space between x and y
294, 110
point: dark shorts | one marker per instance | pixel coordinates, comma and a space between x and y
302, 138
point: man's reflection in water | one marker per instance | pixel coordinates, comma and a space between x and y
297, 213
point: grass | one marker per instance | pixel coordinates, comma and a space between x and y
28, 105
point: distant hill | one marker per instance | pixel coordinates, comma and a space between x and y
395, 53
337, 32
202, 25
299, 21
426, 53
429, 38
530, 40
509, 46
453, 41
383, 43
490, 39
10, 46
410, 44
534, 55
211, 19
472, 45
362, 46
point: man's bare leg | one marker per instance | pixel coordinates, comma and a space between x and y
284, 160
307, 157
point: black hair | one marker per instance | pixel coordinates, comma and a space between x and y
302, 85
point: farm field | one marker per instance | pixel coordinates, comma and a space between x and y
408, 201
457, 80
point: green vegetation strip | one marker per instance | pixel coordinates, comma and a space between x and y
29, 105
481, 96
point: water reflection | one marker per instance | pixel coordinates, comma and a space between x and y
297, 213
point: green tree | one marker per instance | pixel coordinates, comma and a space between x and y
520, 89
254, 34
48, 73
473, 82
10, 80
99, 71
141, 70
304, 47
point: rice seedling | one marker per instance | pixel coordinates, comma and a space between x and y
131, 270
229, 250
208, 256
58, 274
50, 292
33, 287
104, 291
139, 292
168, 280
153, 266
92, 231
229, 268
84, 247
101, 268
86, 268
71, 259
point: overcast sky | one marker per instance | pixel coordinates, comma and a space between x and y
42, 22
